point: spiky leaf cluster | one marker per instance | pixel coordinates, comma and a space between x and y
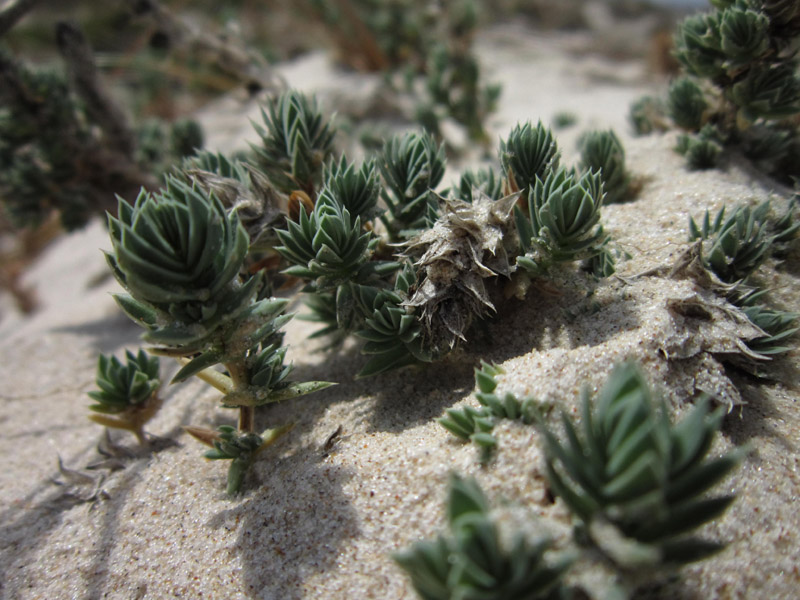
626, 465
601, 151
562, 220
476, 561
327, 246
356, 190
702, 150
412, 166
778, 325
37, 173
296, 140
124, 386
687, 104
127, 397
476, 424
392, 331
483, 180
240, 449
178, 254
735, 246
527, 154
746, 50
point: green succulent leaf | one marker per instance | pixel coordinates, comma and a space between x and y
644, 475
529, 153
602, 152
476, 562
412, 166
296, 141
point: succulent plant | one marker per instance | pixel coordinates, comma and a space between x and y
702, 150
768, 92
296, 141
562, 220
483, 180
736, 246
179, 254
128, 394
412, 166
527, 154
648, 114
392, 332
687, 104
476, 424
601, 151
477, 561
778, 325
752, 92
629, 468
357, 191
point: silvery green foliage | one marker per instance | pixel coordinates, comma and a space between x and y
328, 246
356, 190
527, 154
746, 50
628, 467
179, 254
601, 151
476, 424
476, 561
127, 397
483, 180
686, 104
241, 188
392, 331
412, 166
562, 220
735, 246
296, 141
238, 447
123, 387
647, 115
38, 174
702, 150
453, 83
778, 325
768, 92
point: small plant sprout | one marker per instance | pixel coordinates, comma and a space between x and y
127, 397
527, 154
476, 424
635, 481
477, 561
687, 104
412, 166
735, 246
601, 151
179, 255
296, 142
562, 220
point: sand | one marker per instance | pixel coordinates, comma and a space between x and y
320, 522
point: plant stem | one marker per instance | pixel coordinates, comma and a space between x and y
247, 419
238, 373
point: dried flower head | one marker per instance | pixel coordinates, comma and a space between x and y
465, 246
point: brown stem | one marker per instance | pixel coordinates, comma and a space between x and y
247, 419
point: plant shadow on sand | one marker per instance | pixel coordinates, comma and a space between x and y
293, 523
